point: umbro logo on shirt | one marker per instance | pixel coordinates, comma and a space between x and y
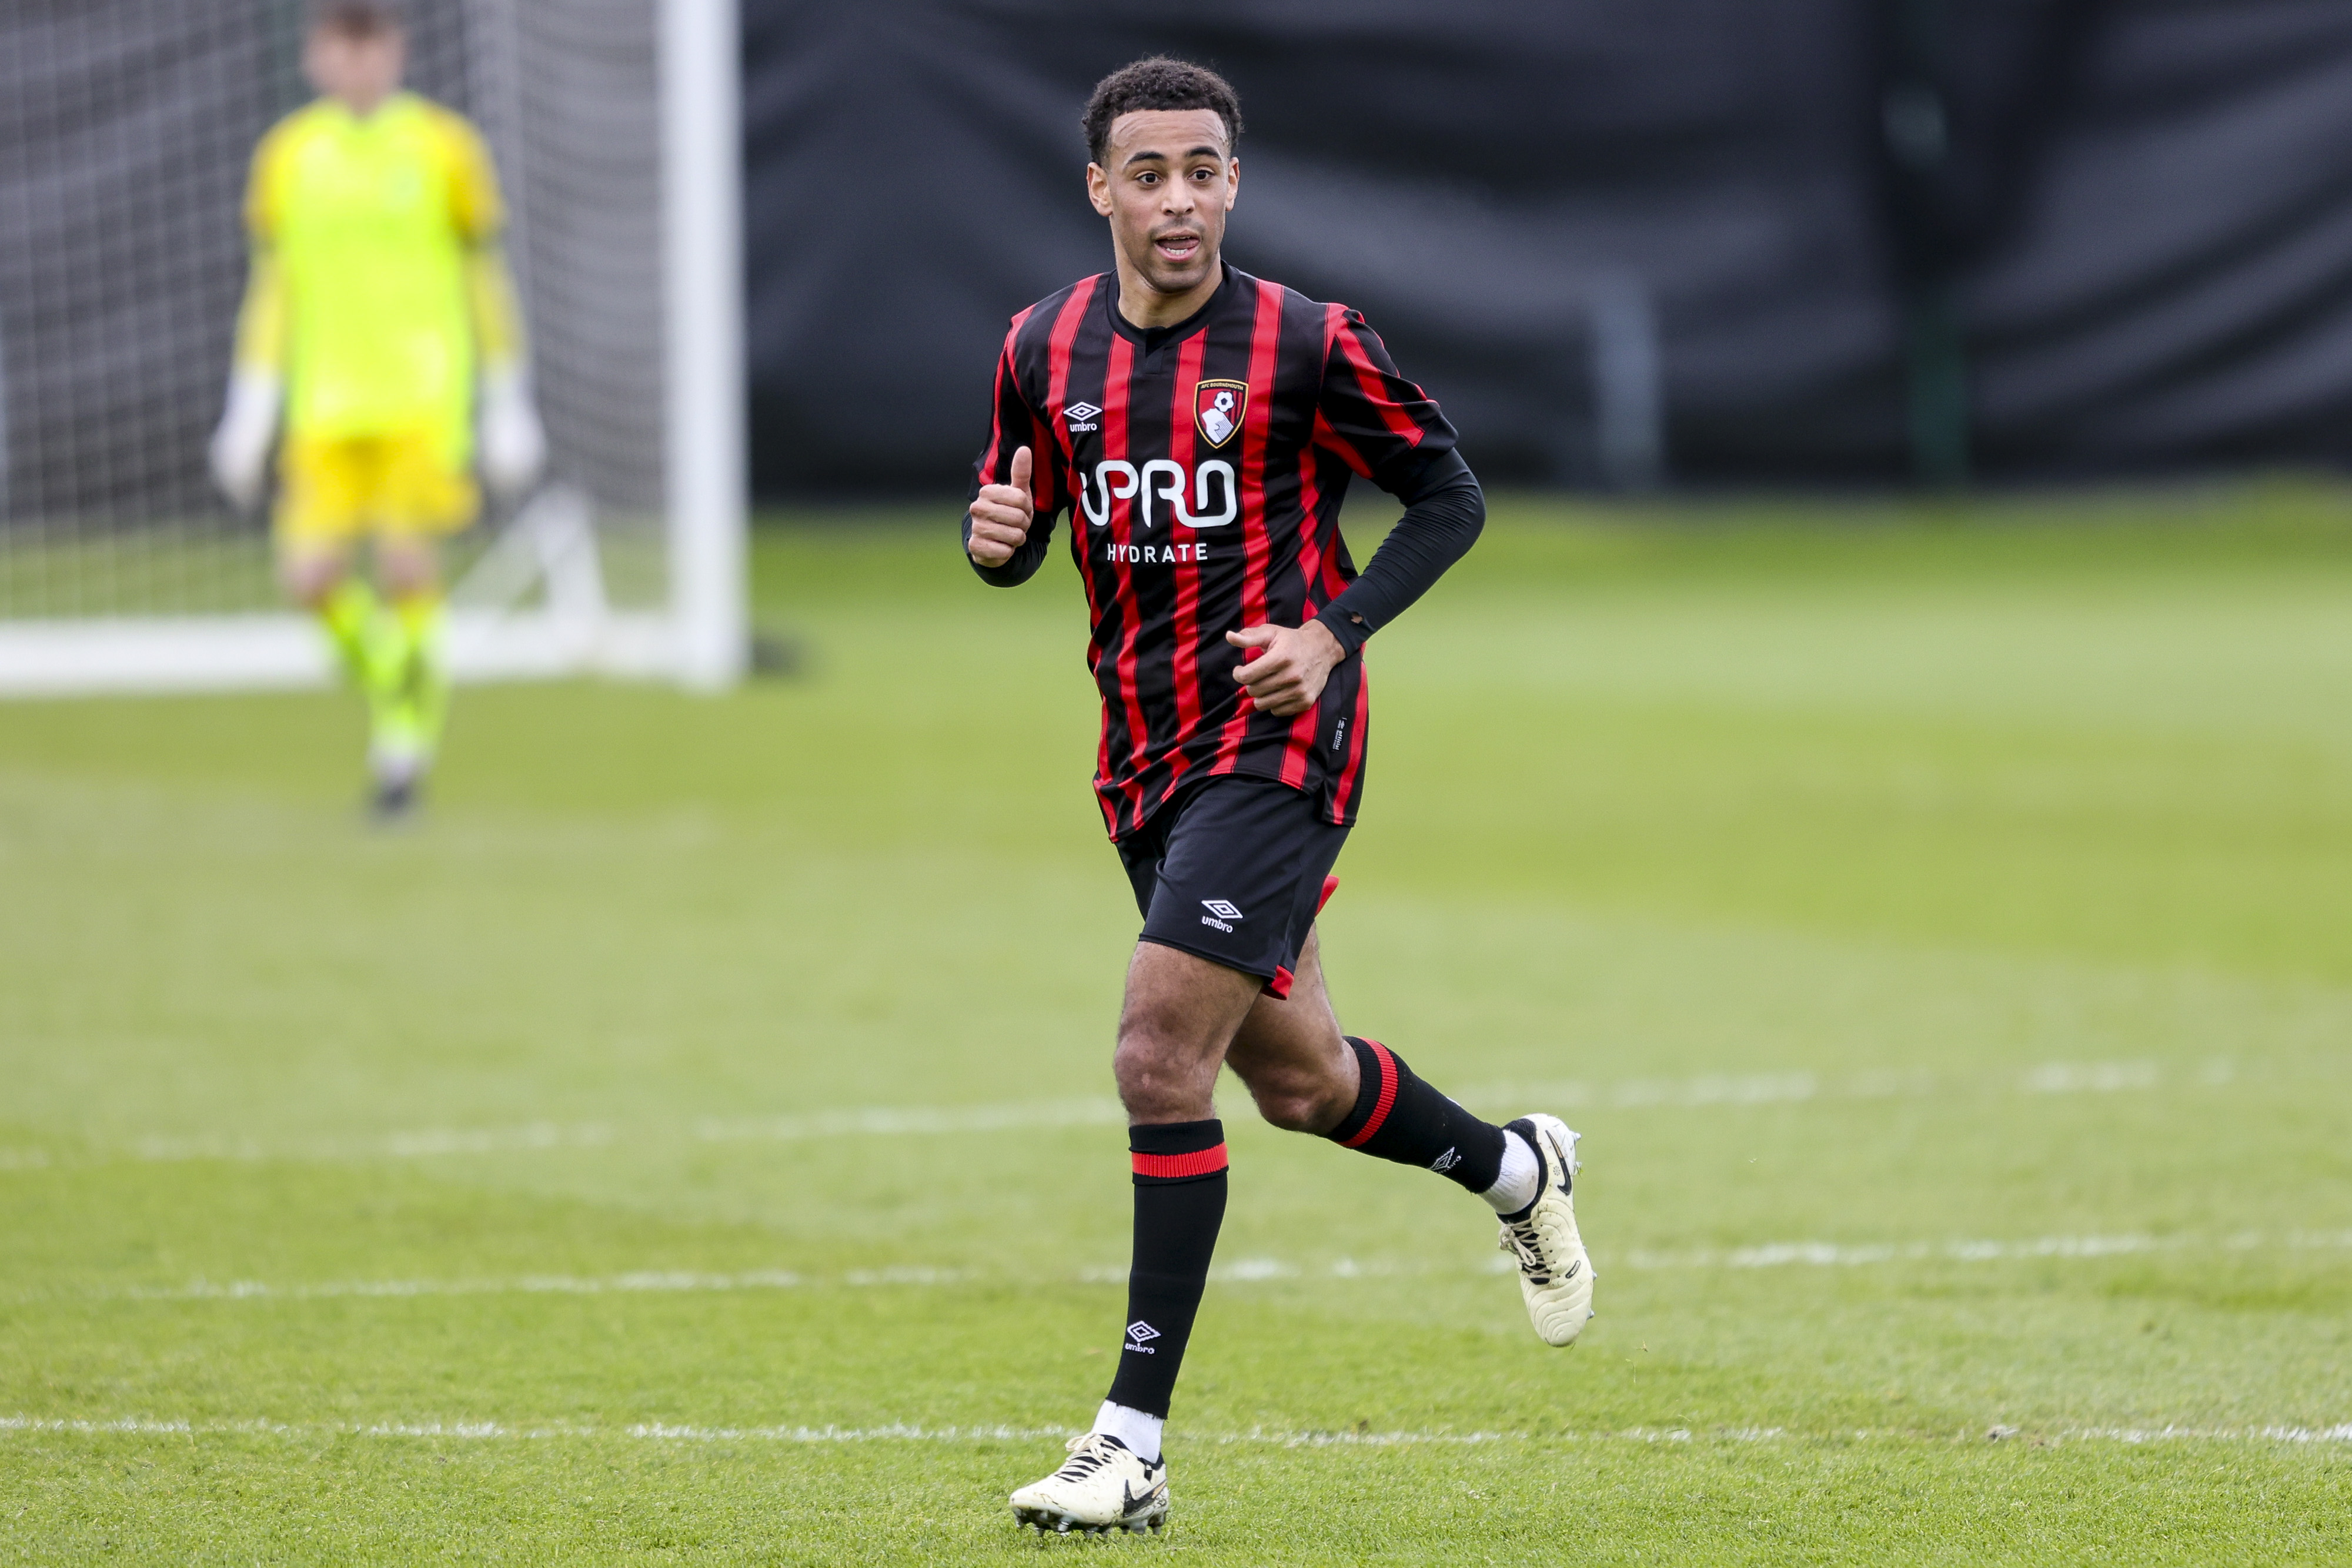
1219, 913
1081, 415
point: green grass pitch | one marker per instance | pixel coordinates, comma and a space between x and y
693, 1143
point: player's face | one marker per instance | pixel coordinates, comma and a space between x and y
1166, 182
361, 69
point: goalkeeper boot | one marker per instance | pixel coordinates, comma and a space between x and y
1555, 1275
1103, 1486
396, 770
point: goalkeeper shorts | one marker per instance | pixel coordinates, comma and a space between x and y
338, 488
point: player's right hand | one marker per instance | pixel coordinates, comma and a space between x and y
1000, 516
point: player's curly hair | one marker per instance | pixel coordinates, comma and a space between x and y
1158, 82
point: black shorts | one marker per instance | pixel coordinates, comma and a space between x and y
1235, 870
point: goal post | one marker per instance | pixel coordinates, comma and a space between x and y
702, 142
616, 126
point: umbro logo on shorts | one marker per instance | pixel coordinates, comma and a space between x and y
1219, 914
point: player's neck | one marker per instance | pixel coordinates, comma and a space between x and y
364, 108
1142, 305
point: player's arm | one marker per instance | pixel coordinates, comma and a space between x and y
498, 318
1444, 512
257, 377
513, 444
1007, 530
1388, 429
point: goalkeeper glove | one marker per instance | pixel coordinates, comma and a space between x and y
513, 445
240, 447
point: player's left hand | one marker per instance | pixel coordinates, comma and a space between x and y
1293, 662
512, 442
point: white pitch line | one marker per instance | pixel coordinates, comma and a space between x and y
647, 1281
1711, 1089
1242, 1271
666, 1432
1832, 1254
540, 1137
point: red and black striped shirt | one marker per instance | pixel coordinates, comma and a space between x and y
1203, 466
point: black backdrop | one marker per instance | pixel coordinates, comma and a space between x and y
2142, 209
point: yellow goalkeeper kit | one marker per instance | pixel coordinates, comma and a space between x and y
377, 292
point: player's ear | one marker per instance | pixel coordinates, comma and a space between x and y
1098, 188
1233, 181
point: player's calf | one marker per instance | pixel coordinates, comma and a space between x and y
1397, 1116
1525, 1172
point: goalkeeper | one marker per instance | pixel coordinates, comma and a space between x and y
378, 299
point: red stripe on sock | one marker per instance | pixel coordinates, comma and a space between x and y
1382, 1106
1200, 1162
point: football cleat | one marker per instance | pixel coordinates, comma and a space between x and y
1555, 1275
396, 780
1101, 1487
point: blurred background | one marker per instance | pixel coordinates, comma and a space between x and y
1630, 242
1674, 242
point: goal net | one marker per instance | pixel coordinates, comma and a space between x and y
129, 126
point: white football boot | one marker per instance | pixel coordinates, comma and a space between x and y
1555, 1275
1101, 1487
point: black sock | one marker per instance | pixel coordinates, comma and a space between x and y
1399, 1117
1179, 1201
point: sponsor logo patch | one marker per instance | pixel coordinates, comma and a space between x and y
1221, 913
1160, 487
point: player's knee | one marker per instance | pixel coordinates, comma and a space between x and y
408, 567
308, 580
1147, 1069
1300, 1102
1291, 1110
1163, 1074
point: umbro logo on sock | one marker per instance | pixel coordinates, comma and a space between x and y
1220, 912
1446, 1161
1140, 1335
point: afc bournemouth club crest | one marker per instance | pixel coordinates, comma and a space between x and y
1219, 407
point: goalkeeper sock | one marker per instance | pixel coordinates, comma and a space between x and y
348, 614
373, 645
424, 695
